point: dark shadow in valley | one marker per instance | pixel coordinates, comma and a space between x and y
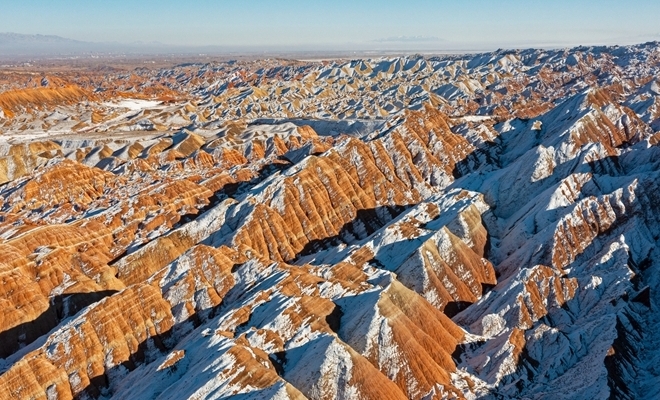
454, 307
365, 224
620, 362
149, 351
234, 189
485, 153
610, 166
60, 308
623, 354
266, 171
623, 358
146, 352
334, 319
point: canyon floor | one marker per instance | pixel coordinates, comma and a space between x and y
415, 227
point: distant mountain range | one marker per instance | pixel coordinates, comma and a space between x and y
22, 45
16, 44
16, 38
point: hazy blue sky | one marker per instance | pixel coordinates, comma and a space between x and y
340, 24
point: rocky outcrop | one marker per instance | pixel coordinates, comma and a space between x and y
14, 101
17, 161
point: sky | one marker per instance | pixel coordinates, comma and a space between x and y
340, 24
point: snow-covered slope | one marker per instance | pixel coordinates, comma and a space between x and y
481, 226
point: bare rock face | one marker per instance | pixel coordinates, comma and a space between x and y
479, 226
